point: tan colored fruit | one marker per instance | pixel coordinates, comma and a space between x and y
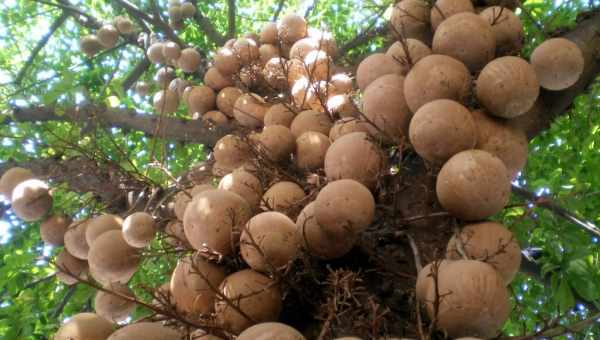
101, 224
271, 331
185, 196
325, 41
502, 140
245, 184
507, 28
251, 76
146, 331
171, 51
375, 66
175, 234
385, 106
142, 88
166, 101
282, 197
31, 200
277, 142
164, 76
341, 82
348, 125
65, 262
473, 185
444, 9
85, 326
215, 118
326, 243
175, 13
311, 148
231, 152
113, 307
436, 77
296, 71
344, 207
475, 303
188, 9
279, 114
304, 94
139, 229
410, 18
111, 259
408, 53
275, 73
217, 81
75, 241
227, 61
90, 45
268, 34
467, 37
558, 63
246, 50
189, 60
292, 28
254, 294
214, 219
108, 36
301, 48
249, 110
11, 178
227, 98
492, 243
155, 53
310, 120
124, 25
318, 65
441, 129
191, 284
354, 156
341, 105
201, 99
268, 52
508, 87
53, 229
269, 242
179, 86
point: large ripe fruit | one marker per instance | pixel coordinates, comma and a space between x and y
175, 234
101, 224
508, 87
268, 52
31, 200
271, 331
292, 28
502, 140
108, 36
179, 86
348, 125
246, 50
245, 184
124, 25
341, 82
11, 178
473, 185
188, 10
53, 229
65, 262
227, 61
354, 156
375, 66
214, 219
326, 243
254, 294
558, 63
166, 101
310, 120
490, 242
146, 331
111, 259
185, 196
410, 18
155, 53
249, 110
277, 142
269, 242
302, 47
507, 28
75, 241
444, 9
282, 197
189, 60
85, 326
191, 284
318, 65
442, 128
436, 77
325, 41
311, 148
342, 105
344, 206
171, 50
215, 118
113, 307
90, 45
139, 229
466, 37
216, 80
231, 152
268, 33
226, 100
201, 99
279, 114
475, 301
385, 106
408, 53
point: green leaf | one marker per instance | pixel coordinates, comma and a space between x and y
564, 296
583, 279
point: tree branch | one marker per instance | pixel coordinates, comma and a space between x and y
136, 73
231, 11
208, 27
278, 10
362, 38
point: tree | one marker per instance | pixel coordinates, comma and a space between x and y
80, 123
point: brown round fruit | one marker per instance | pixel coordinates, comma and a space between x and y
507, 28
227, 61
226, 100
268, 52
171, 50
124, 25
201, 99
410, 18
254, 294
245, 184
111, 259
348, 125
108, 36
31, 200
90, 45
268, 34
215, 80
68, 266
215, 118
269, 242
164, 76
277, 142
408, 53
436, 77
275, 73
53, 229
490, 242
341, 82
445, 9
231, 152
166, 101
558, 63
246, 50
271, 331
311, 148
385, 106
354, 156
75, 241
442, 128
85, 326
113, 307
188, 10
175, 234
282, 197
189, 60
508, 87
249, 110
292, 28
101, 224
139, 229
279, 114
11, 178
146, 331
473, 185
155, 53
375, 66
310, 120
